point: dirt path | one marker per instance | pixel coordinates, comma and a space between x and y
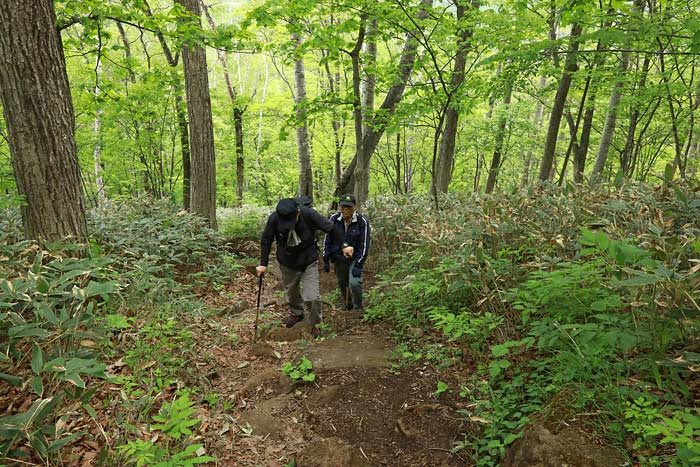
361, 410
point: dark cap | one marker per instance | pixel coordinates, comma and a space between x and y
286, 213
347, 200
305, 200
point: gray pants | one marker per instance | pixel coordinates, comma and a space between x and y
352, 297
302, 292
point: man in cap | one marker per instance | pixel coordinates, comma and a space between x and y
293, 228
347, 249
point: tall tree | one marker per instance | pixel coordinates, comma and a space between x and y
497, 158
238, 112
40, 121
386, 110
445, 161
203, 183
550, 144
610, 119
304, 152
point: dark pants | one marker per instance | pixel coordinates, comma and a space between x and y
349, 285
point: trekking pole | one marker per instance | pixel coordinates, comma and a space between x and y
257, 310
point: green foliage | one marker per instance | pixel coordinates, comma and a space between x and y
174, 421
243, 223
578, 297
301, 371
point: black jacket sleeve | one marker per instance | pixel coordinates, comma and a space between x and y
360, 254
268, 236
321, 223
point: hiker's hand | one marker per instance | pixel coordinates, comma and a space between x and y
261, 270
348, 251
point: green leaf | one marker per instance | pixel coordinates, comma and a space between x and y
11, 379
42, 285
37, 359
643, 279
36, 266
37, 386
500, 350
59, 443
74, 379
101, 288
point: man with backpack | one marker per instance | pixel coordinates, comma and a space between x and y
352, 232
292, 227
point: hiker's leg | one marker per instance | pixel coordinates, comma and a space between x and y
342, 270
311, 293
291, 280
356, 289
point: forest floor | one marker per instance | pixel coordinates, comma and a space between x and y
362, 409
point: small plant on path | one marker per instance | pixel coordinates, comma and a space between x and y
301, 371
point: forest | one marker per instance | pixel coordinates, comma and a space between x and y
530, 172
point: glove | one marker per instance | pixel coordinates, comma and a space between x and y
326, 265
356, 271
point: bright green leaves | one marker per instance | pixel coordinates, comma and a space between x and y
174, 419
301, 371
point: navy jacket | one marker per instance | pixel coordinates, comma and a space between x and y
357, 236
302, 255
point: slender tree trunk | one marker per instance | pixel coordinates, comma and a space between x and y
678, 159
97, 151
238, 111
496, 160
203, 183
581, 152
397, 163
445, 161
361, 177
181, 109
40, 121
240, 161
392, 98
370, 58
258, 143
610, 120
537, 119
570, 66
627, 159
305, 175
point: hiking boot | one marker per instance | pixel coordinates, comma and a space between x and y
291, 320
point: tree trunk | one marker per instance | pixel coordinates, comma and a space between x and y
40, 121
305, 175
370, 58
238, 111
181, 110
500, 136
203, 183
240, 161
537, 120
388, 107
258, 143
97, 151
610, 120
570, 66
361, 177
445, 162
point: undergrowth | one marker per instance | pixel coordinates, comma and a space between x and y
585, 295
128, 303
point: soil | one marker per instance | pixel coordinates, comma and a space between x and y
361, 410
